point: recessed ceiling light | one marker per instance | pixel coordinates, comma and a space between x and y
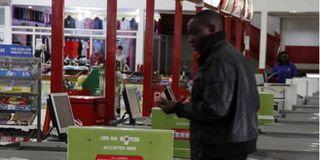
29, 7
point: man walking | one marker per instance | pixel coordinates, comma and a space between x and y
224, 101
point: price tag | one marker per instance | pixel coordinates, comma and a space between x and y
7, 89
11, 107
181, 134
25, 89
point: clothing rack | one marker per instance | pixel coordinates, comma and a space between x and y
91, 34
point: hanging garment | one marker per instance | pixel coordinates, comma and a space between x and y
96, 46
74, 49
85, 46
124, 25
67, 48
133, 24
88, 23
97, 23
79, 24
69, 22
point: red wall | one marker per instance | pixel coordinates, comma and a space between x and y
303, 54
273, 43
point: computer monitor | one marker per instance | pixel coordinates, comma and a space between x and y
61, 112
132, 104
169, 94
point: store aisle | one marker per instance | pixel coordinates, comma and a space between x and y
294, 136
9, 154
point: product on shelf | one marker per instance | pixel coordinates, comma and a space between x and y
20, 79
15, 89
8, 103
17, 118
14, 100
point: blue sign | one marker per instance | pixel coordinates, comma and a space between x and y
15, 51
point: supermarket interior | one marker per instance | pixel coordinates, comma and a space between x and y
159, 79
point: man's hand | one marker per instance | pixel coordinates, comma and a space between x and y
168, 107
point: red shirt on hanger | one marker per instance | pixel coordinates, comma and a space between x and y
67, 48
74, 49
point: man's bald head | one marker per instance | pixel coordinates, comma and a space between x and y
208, 17
203, 24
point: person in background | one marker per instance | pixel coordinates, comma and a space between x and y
97, 59
284, 69
122, 58
224, 101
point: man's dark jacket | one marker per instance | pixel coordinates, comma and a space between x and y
224, 104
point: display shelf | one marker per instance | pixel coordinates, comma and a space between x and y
18, 94
18, 78
21, 62
5, 140
12, 107
69, 78
21, 77
23, 128
15, 74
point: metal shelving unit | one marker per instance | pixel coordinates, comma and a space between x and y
13, 71
19, 94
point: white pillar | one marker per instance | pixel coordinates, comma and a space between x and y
263, 40
7, 25
283, 33
140, 38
